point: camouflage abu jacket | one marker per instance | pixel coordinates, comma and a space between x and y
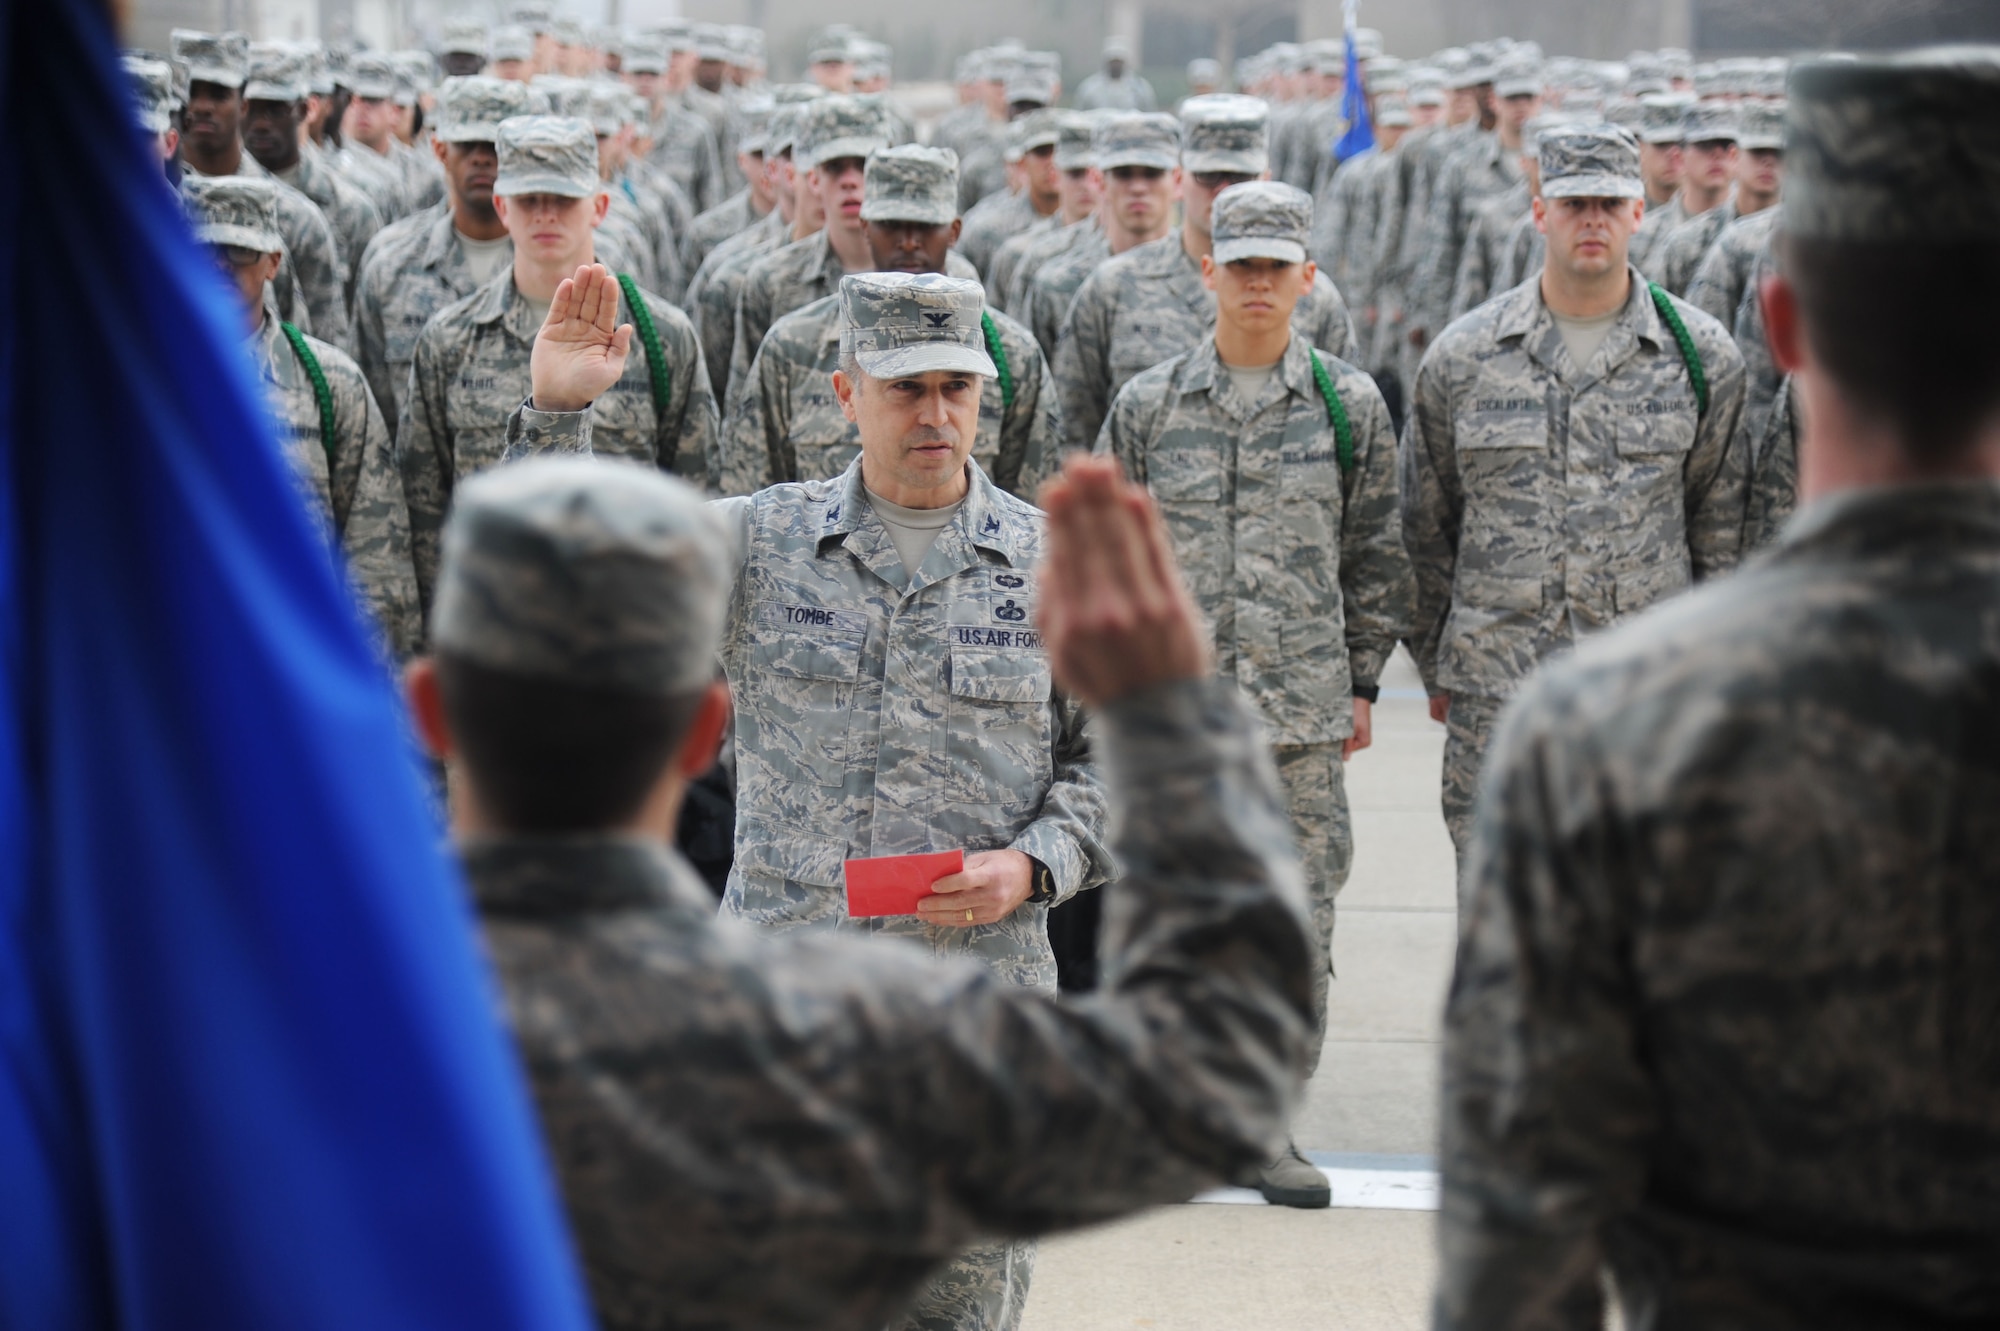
876, 716
786, 425
470, 372
1542, 500
793, 1132
410, 274
1298, 567
1146, 306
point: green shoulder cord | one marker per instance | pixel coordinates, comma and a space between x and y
1343, 432
321, 393
1696, 374
999, 355
656, 355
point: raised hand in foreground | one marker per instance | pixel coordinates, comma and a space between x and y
580, 351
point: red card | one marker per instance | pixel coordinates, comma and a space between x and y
894, 884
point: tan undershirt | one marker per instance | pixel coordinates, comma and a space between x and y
1584, 336
913, 531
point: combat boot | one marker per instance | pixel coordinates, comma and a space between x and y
1292, 1180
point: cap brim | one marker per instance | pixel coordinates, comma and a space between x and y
530, 182
1761, 142
1517, 90
1594, 187
221, 78
155, 122
373, 91
255, 91
926, 358
248, 237
852, 147
1038, 141
470, 132
904, 210
1656, 137
1259, 247
1073, 161
1246, 164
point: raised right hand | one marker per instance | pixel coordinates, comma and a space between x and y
578, 353
1116, 615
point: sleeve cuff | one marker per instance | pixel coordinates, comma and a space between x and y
1368, 693
1057, 849
530, 432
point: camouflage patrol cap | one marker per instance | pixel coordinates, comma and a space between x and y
234, 210
609, 107
1226, 132
1034, 77
1074, 131
535, 18
567, 31
471, 108
829, 46
746, 45
416, 72
902, 324
786, 120
324, 65
1760, 126
1518, 76
711, 42
1539, 127
371, 76
464, 36
1590, 162
753, 123
210, 57
593, 573
567, 96
1709, 121
1663, 117
1138, 138
152, 86
1426, 89
513, 42
840, 126
1040, 128
1392, 111
1261, 219
1204, 70
911, 183
547, 155
1895, 150
645, 53
276, 74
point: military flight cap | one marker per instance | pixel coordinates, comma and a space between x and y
1074, 130
513, 42
371, 76
841, 126
1137, 138
464, 36
1709, 122
152, 83
470, 108
276, 74
1895, 150
1261, 219
1225, 132
547, 155
235, 210
210, 57
1590, 162
1760, 126
911, 183
901, 324
585, 572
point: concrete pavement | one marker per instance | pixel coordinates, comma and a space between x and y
1205, 1267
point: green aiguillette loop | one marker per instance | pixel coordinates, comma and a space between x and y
1343, 431
321, 392
999, 355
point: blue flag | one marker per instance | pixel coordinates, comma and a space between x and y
251, 1071
1360, 135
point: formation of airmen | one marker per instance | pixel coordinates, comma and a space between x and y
1487, 388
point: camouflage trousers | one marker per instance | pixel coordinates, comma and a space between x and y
984, 1288
1315, 784
1467, 728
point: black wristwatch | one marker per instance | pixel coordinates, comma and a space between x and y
1044, 889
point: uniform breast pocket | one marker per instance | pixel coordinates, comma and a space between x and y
479, 447
1185, 475
1655, 442
997, 736
1496, 437
801, 684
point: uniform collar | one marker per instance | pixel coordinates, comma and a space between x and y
1524, 315
553, 876
1204, 372
825, 264
500, 300
982, 523
1958, 517
441, 237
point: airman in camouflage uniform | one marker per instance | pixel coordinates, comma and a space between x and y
785, 423
1680, 250
311, 287
1543, 499
1485, 258
1147, 141
470, 367
419, 266
1663, 129
1290, 531
1002, 215
1723, 1018
349, 475
1073, 163
372, 78
280, 74
751, 204
1149, 305
685, 1070
882, 710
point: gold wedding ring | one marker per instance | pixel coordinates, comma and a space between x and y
968, 917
